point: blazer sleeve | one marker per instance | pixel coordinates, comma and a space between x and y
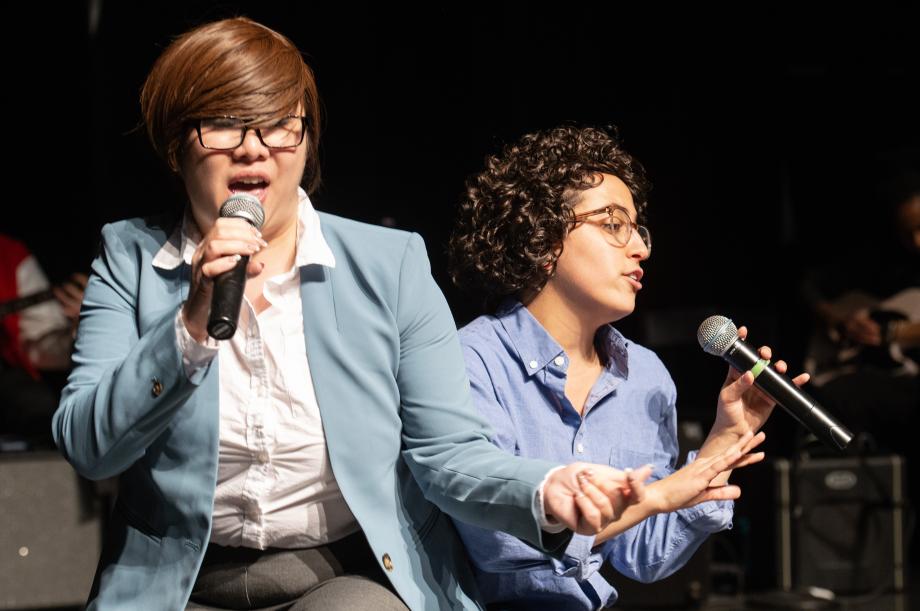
447, 443
125, 386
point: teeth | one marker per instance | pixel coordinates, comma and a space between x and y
250, 181
634, 276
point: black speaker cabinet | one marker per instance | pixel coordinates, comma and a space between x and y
49, 533
840, 524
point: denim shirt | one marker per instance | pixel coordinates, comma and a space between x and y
517, 375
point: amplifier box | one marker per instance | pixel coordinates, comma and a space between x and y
840, 524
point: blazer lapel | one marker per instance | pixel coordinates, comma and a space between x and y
321, 335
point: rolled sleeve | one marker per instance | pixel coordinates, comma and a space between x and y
711, 516
579, 561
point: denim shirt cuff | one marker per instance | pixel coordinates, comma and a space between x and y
711, 516
579, 561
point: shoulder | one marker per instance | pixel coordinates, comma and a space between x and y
135, 235
480, 329
646, 368
482, 335
13, 253
125, 256
485, 349
389, 267
365, 241
644, 357
12, 245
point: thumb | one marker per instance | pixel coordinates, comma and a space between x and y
732, 375
254, 268
736, 389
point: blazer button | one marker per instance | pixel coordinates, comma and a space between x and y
387, 562
156, 388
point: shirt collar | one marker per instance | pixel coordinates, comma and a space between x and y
536, 347
312, 248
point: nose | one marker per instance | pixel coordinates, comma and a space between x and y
637, 248
251, 147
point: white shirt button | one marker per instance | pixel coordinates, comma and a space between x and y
533, 364
580, 449
559, 361
263, 457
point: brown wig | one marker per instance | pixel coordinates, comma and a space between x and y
516, 213
234, 67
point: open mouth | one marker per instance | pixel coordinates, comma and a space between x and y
253, 185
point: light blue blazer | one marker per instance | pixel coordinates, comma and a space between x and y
404, 440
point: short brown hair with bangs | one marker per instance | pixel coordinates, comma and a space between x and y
233, 67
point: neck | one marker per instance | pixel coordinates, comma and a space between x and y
563, 321
281, 252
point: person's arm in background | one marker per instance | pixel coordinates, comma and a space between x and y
47, 329
905, 333
841, 307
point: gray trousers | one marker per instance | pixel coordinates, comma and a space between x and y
338, 576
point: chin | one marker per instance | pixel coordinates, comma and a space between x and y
604, 313
617, 316
620, 311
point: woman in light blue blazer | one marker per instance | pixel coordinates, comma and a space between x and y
216, 498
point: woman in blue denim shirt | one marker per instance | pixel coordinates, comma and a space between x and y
549, 232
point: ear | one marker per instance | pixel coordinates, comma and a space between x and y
550, 266
174, 161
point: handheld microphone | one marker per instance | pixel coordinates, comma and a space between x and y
227, 296
718, 336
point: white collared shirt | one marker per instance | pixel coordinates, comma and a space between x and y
275, 486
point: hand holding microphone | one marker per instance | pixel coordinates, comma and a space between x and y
220, 266
717, 335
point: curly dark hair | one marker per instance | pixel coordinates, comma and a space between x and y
515, 214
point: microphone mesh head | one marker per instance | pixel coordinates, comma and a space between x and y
716, 334
244, 206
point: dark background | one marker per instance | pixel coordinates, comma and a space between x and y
767, 134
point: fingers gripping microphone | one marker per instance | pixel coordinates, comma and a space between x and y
227, 296
718, 336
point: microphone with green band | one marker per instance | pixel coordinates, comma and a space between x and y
718, 336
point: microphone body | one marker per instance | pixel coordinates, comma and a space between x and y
790, 397
720, 338
229, 287
226, 300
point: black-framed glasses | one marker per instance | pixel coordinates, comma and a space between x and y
619, 225
227, 133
